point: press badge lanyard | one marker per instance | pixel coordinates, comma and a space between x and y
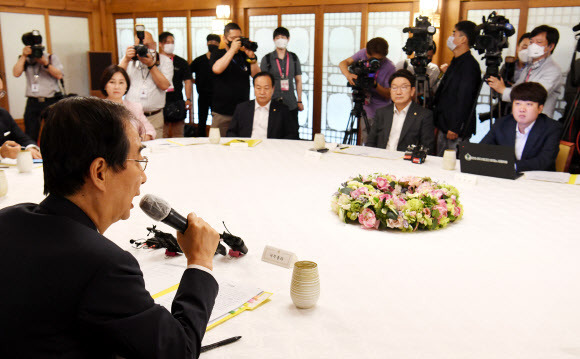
143, 93
35, 87
284, 83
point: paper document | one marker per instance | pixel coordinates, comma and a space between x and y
559, 177
369, 152
162, 282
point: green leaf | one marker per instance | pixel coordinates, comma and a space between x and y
346, 190
392, 215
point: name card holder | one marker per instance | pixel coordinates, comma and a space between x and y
279, 257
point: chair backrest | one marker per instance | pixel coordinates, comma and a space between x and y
564, 156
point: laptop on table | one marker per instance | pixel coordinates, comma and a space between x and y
488, 160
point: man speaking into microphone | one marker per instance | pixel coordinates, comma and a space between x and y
69, 292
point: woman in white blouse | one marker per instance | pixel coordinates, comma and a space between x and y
114, 84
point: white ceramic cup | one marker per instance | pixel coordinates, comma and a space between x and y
214, 135
24, 161
319, 142
3, 184
449, 160
305, 286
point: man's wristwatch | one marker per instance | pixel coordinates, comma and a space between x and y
152, 66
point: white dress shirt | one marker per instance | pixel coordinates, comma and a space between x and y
260, 126
397, 126
521, 139
141, 80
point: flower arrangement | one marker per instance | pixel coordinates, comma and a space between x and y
408, 203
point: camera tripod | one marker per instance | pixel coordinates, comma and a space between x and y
423, 88
356, 114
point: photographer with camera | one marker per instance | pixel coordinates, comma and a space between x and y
232, 69
457, 92
432, 69
42, 71
175, 109
378, 94
150, 74
540, 68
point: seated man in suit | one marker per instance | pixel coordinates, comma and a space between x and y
403, 122
73, 293
12, 139
534, 136
263, 118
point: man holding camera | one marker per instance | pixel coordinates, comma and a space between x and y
232, 69
457, 91
285, 67
43, 71
540, 68
151, 74
175, 109
380, 95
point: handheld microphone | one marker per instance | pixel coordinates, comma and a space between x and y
159, 210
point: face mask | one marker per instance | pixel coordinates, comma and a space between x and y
535, 50
523, 55
169, 48
281, 43
450, 44
212, 48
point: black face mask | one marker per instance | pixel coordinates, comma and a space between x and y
212, 48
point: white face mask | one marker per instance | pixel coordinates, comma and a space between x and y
169, 48
450, 44
281, 43
523, 55
535, 51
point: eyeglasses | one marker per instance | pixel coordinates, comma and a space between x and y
145, 160
404, 88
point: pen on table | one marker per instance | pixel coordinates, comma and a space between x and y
219, 344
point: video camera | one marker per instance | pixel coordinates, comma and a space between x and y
34, 40
420, 43
492, 38
249, 45
140, 49
365, 70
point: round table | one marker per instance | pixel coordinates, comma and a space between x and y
502, 282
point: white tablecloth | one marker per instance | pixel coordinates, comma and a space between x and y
503, 282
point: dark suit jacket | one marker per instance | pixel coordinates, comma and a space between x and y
541, 147
69, 292
7, 124
456, 95
280, 123
418, 128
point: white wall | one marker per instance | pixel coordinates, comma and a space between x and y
70, 42
13, 26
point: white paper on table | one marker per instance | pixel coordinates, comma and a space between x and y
559, 177
230, 297
370, 152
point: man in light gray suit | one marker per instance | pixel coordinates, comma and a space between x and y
403, 122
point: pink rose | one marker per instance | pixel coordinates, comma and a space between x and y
357, 192
382, 183
457, 211
385, 196
368, 219
442, 211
